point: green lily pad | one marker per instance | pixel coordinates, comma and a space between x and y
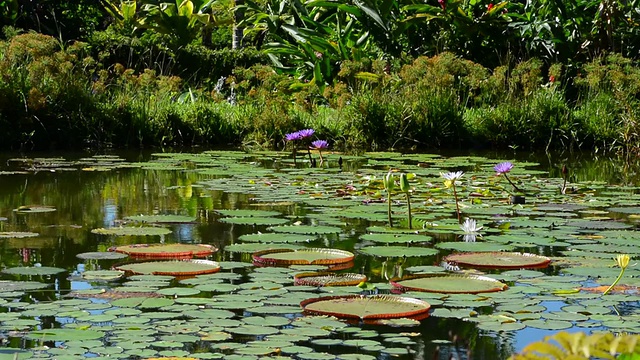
174, 268
398, 251
306, 229
65, 334
248, 213
166, 251
101, 255
16, 234
162, 219
302, 256
132, 231
33, 271
449, 284
254, 220
498, 260
276, 238
32, 209
367, 307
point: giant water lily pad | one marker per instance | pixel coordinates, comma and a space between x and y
174, 268
132, 231
162, 219
329, 279
16, 234
367, 307
449, 284
33, 270
31, 209
101, 255
309, 256
498, 260
398, 251
166, 251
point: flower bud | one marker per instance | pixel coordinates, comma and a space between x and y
389, 182
404, 183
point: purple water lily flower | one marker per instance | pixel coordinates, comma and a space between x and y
293, 136
503, 168
319, 144
305, 133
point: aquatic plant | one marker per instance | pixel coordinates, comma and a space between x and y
470, 229
406, 189
622, 261
502, 169
320, 145
389, 185
450, 182
564, 345
298, 136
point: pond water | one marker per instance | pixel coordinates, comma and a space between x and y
54, 208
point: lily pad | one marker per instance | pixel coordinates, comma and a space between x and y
367, 307
449, 284
16, 234
174, 268
162, 219
398, 251
34, 271
498, 260
31, 209
306, 229
329, 279
166, 251
132, 231
302, 256
101, 255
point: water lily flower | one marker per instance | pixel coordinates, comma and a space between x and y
306, 133
452, 176
470, 226
293, 136
319, 144
622, 261
503, 168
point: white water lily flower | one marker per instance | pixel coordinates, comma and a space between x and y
470, 226
452, 176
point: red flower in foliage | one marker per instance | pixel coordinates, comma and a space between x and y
552, 79
489, 7
443, 4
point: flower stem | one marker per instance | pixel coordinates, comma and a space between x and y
389, 208
512, 184
321, 159
614, 283
409, 208
455, 195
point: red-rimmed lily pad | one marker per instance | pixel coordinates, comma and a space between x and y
363, 307
166, 251
174, 268
449, 284
132, 231
499, 260
329, 279
315, 256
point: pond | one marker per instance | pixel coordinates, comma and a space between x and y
65, 294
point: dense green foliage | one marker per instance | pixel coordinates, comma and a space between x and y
365, 74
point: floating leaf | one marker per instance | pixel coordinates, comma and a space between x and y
31, 209
166, 251
254, 220
398, 251
449, 284
162, 219
306, 229
16, 234
33, 271
367, 307
174, 268
132, 231
499, 260
302, 256
329, 279
100, 255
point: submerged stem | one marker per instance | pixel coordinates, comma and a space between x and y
409, 208
455, 195
389, 208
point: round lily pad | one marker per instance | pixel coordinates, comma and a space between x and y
166, 251
398, 251
367, 307
16, 234
9, 286
276, 238
498, 260
248, 213
174, 268
132, 231
30, 209
162, 219
329, 279
302, 257
105, 275
449, 284
306, 229
254, 220
35, 270
101, 255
